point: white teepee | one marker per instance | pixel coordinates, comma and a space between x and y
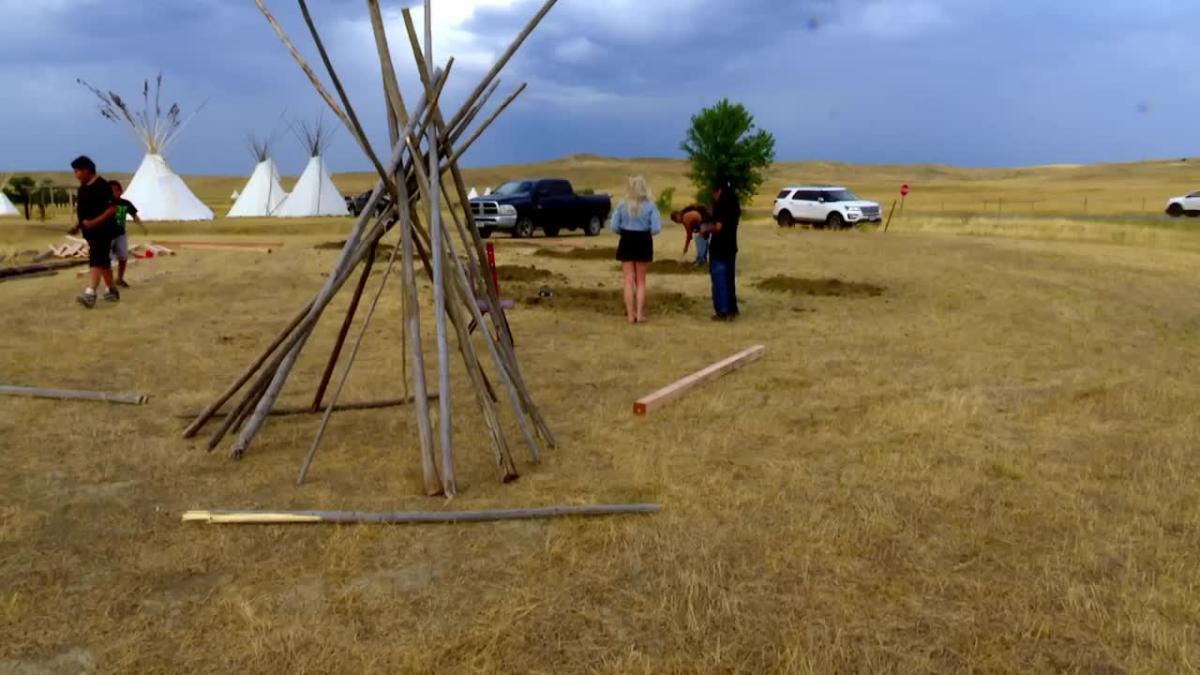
314, 193
6, 206
473, 194
157, 191
263, 193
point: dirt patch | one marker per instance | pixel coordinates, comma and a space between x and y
605, 301
522, 273
676, 267
824, 288
339, 245
602, 253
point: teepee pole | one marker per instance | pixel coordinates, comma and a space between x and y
345, 329
445, 421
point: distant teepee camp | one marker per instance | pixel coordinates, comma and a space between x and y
158, 192
263, 193
314, 193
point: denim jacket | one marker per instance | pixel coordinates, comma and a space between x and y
646, 221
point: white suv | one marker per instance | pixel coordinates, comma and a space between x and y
826, 206
1184, 206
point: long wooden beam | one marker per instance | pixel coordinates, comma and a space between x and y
72, 394
414, 517
644, 405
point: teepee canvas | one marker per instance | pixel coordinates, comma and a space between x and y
157, 191
314, 194
6, 206
473, 194
263, 193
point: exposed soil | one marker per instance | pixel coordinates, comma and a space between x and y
605, 301
602, 253
519, 273
824, 288
338, 245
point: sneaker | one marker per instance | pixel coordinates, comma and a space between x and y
720, 317
111, 296
87, 300
122, 284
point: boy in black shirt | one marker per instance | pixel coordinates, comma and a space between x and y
95, 210
120, 244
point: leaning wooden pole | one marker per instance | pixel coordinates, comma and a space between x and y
412, 518
445, 428
345, 329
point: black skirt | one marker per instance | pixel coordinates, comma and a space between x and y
636, 247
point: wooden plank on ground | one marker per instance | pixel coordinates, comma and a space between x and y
35, 268
244, 244
299, 517
673, 391
72, 394
184, 246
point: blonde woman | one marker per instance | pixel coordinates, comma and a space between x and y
636, 219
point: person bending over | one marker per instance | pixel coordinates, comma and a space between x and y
636, 219
693, 219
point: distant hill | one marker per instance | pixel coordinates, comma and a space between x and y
1109, 187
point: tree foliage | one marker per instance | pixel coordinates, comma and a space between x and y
723, 143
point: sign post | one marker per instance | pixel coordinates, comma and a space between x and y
904, 190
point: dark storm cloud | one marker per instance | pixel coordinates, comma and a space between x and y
959, 81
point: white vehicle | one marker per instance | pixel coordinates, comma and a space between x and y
1184, 206
827, 206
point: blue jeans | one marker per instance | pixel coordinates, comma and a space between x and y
724, 286
701, 250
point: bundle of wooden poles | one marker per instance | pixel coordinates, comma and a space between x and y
415, 180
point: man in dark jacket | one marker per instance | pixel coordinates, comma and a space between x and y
95, 208
723, 250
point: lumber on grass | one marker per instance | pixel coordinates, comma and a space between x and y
673, 391
184, 246
411, 517
72, 394
33, 268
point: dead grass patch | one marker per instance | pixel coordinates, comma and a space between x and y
524, 273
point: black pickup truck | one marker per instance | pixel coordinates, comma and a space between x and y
549, 204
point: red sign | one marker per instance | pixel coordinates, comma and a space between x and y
904, 190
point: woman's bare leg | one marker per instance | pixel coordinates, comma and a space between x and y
640, 270
630, 290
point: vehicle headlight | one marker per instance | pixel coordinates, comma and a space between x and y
854, 209
508, 210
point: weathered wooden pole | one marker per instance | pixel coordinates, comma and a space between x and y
445, 429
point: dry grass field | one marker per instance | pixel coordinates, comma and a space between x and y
977, 453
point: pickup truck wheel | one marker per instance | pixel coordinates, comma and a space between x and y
524, 229
593, 226
786, 220
551, 230
835, 221
485, 232
1175, 210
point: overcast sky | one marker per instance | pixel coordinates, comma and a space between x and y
968, 82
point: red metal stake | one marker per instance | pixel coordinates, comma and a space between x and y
491, 254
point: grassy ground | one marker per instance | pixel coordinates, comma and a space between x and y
988, 466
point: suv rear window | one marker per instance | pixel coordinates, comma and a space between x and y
784, 194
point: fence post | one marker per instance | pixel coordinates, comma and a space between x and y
889, 220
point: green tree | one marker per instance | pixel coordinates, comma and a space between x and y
724, 143
18, 187
664, 201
